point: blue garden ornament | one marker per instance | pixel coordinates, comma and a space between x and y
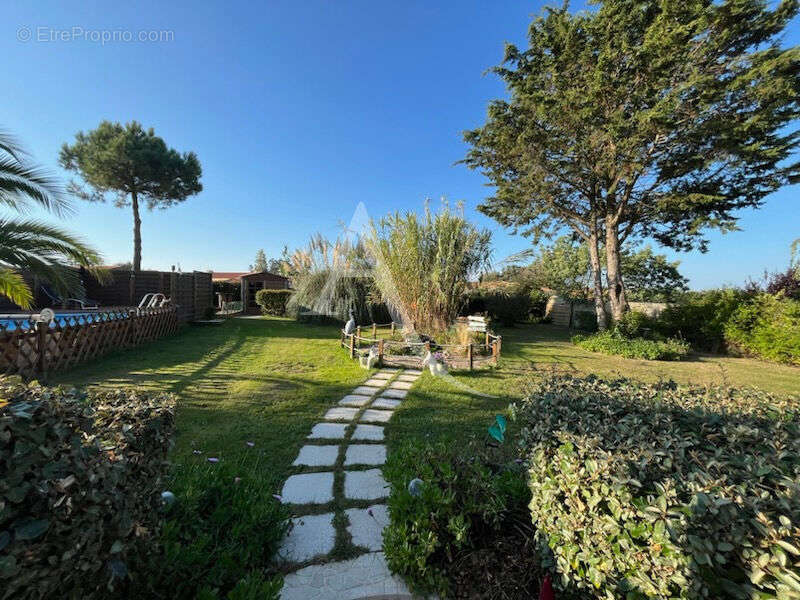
498, 429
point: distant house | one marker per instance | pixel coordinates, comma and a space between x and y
250, 284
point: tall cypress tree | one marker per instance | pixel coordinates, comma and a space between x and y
642, 119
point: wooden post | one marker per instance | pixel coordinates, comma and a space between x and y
380, 352
392, 328
352, 346
487, 339
358, 335
374, 331
41, 347
469, 355
427, 346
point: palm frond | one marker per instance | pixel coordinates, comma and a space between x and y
23, 184
47, 251
13, 287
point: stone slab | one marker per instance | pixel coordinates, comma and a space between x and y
375, 416
409, 378
328, 431
386, 403
317, 456
311, 536
308, 488
400, 385
394, 394
413, 372
364, 577
382, 375
368, 432
341, 413
354, 400
366, 525
365, 485
375, 382
365, 454
366, 390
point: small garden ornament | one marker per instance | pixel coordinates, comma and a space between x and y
369, 359
350, 326
435, 362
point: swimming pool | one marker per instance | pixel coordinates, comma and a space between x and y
25, 322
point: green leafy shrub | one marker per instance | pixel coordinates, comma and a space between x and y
635, 324
538, 304
767, 327
660, 491
219, 536
80, 483
462, 498
273, 302
610, 342
700, 317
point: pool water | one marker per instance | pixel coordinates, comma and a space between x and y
28, 322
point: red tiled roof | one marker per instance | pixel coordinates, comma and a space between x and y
226, 276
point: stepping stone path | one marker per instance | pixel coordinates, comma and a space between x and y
347, 447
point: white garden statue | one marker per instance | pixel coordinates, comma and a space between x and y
350, 326
436, 367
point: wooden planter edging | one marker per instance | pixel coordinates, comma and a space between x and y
492, 346
33, 349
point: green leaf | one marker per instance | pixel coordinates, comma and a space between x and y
32, 529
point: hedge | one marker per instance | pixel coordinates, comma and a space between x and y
273, 302
660, 491
612, 342
81, 478
767, 327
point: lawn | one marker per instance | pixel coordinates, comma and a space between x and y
267, 381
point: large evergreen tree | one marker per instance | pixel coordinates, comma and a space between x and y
136, 166
642, 119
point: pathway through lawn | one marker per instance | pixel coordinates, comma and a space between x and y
337, 495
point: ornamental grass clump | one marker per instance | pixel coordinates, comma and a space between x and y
81, 478
660, 491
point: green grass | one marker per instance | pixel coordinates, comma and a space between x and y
269, 380
436, 408
261, 380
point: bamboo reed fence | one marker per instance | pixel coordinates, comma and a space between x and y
33, 349
456, 356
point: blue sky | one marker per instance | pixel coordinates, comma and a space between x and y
298, 111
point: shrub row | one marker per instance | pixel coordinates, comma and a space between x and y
462, 500
273, 302
767, 327
659, 491
612, 342
763, 325
80, 483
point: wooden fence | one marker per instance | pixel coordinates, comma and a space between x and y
34, 349
457, 356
